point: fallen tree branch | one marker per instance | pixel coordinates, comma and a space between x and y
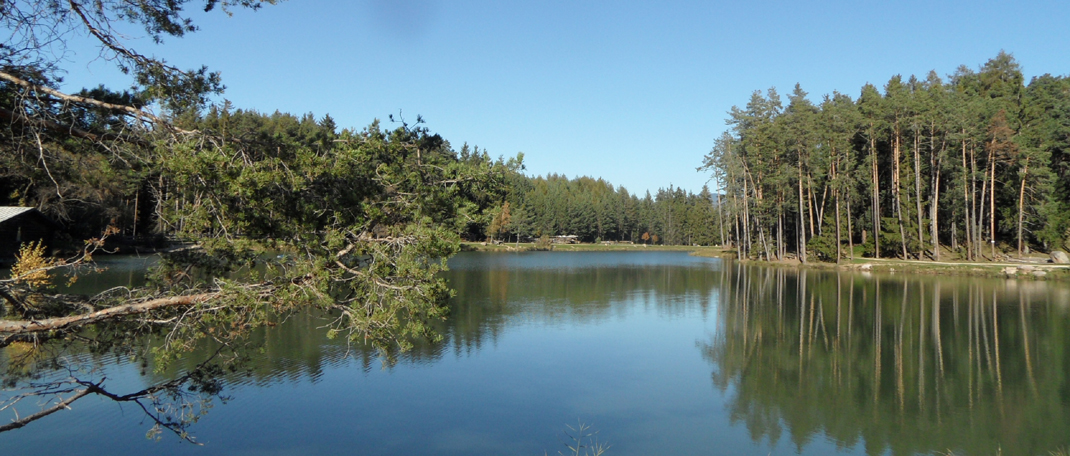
51, 324
64, 404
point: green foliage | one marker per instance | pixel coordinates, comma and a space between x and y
916, 164
369, 217
543, 243
824, 246
280, 214
593, 210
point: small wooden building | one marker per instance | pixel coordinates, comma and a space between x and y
22, 224
569, 239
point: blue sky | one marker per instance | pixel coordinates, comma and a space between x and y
632, 92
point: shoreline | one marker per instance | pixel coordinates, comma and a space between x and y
1001, 269
1004, 269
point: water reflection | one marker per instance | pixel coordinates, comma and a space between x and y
494, 292
906, 364
873, 364
583, 288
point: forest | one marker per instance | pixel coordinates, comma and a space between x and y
976, 167
594, 211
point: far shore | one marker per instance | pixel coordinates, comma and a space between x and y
1031, 268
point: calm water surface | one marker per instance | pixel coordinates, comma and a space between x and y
662, 352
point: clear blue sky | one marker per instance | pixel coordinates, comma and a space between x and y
632, 92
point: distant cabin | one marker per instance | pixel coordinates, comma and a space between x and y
22, 224
569, 239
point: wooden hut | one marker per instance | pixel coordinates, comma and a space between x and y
22, 224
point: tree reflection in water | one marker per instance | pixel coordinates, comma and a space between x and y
911, 364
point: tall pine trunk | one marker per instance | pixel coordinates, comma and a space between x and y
780, 233
875, 199
895, 190
720, 219
836, 192
936, 161
966, 200
746, 218
934, 212
917, 192
992, 203
802, 221
977, 236
810, 203
981, 214
839, 243
850, 229
1021, 205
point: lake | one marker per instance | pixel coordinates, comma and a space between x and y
660, 352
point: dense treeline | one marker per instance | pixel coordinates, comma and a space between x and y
233, 157
594, 211
978, 165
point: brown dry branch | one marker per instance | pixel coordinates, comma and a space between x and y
12, 327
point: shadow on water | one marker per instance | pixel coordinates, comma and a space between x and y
906, 364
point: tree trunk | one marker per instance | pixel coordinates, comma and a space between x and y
934, 205
735, 226
981, 213
934, 212
836, 193
1021, 205
746, 217
765, 245
917, 191
895, 190
966, 200
720, 218
977, 237
850, 229
876, 200
839, 245
780, 233
810, 203
992, 202
802, 221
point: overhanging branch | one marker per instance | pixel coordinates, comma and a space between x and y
16, 327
